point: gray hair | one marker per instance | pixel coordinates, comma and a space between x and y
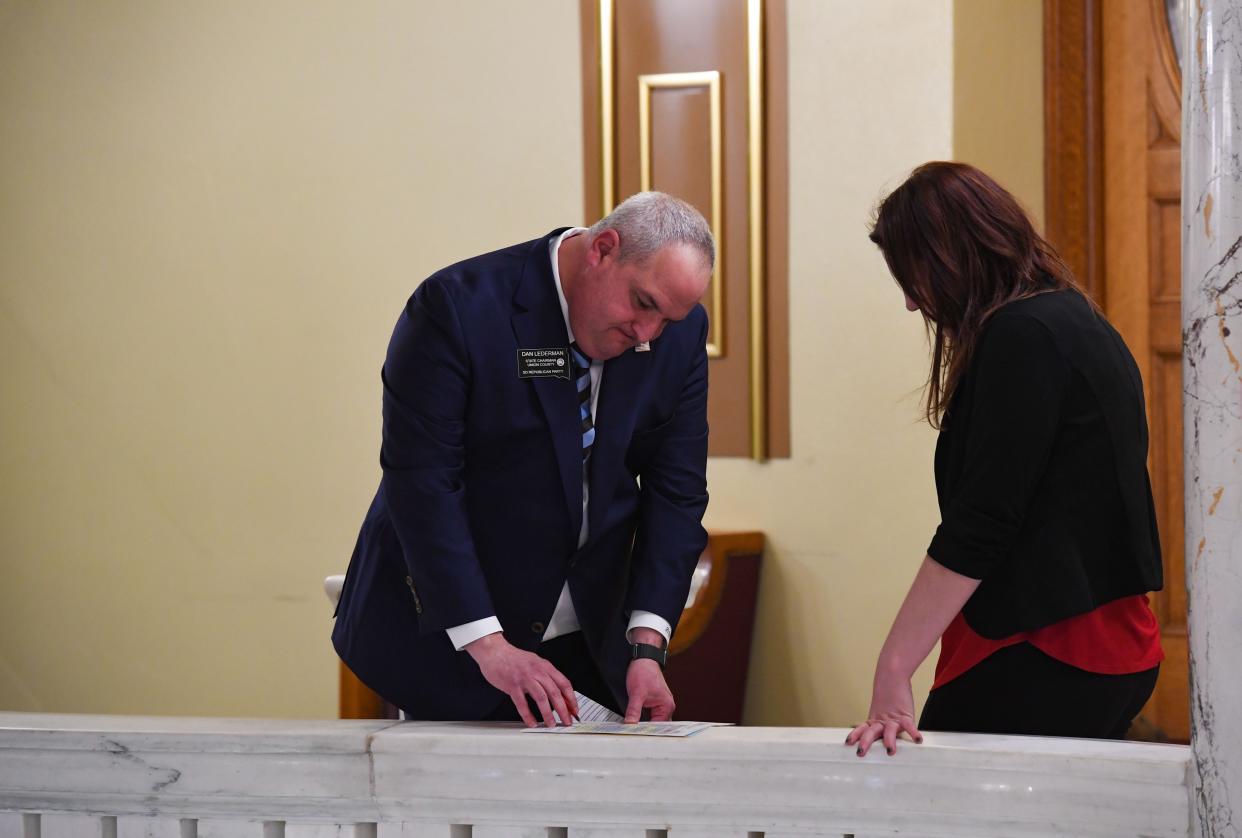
646, 222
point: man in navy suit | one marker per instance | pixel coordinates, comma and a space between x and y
544, 455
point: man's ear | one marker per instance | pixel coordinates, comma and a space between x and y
604, 246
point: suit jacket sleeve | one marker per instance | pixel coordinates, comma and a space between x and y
426, 386
670, 535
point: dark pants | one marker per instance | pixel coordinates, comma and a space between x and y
569, 654
1021, 690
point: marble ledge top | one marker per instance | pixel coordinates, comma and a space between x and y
73, 731
177, 733
722, 781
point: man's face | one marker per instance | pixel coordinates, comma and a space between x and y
614, 305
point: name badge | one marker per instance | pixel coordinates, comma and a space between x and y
544, 363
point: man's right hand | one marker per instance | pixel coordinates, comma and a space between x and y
518, 674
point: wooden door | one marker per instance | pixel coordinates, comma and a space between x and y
1113, 188
1142, 290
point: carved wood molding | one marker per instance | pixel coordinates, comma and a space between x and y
695, 619
1073, 138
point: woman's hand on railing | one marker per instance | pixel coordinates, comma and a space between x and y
935, 597
891, 714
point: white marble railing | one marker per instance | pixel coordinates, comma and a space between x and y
67, 776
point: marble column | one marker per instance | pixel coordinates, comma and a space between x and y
1212, 406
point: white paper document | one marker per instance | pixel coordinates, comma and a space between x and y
590, 710
594, 717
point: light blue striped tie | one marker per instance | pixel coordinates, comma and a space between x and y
582, 380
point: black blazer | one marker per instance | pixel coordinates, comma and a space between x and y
1041, 470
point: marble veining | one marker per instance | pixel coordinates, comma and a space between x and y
164, 777
1212, 405
88, 775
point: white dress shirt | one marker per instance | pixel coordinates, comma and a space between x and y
564, 618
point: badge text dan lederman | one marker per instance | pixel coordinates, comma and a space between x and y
544, 363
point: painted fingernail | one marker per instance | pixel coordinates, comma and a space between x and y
892, 751
859, 752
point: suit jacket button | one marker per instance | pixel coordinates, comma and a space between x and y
537, 628
418, 603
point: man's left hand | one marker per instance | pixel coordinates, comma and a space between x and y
647, 689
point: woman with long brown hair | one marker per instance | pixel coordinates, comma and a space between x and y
1035, 581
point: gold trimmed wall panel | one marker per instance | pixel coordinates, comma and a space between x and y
679, 136
680, 96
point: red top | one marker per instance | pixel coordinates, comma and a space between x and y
1118, 638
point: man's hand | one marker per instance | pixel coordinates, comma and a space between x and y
645, 684
518, 674
647, 689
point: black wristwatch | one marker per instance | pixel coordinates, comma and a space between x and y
647, 651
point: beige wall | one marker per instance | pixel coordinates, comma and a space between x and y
998, 94
849, 515
876, 89
209, 219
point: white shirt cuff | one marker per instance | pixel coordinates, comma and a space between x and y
466, 633
646, 619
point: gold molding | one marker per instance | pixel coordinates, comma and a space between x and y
709, 79
755, 160
607, 153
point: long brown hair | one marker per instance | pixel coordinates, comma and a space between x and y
961, 247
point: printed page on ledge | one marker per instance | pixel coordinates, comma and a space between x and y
595, 718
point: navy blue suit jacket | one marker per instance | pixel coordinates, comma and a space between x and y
480, 504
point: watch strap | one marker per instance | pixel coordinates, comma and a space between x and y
646, 651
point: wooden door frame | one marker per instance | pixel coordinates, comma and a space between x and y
1074, 138
1075, 147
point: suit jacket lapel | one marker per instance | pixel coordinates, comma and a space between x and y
539, 324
